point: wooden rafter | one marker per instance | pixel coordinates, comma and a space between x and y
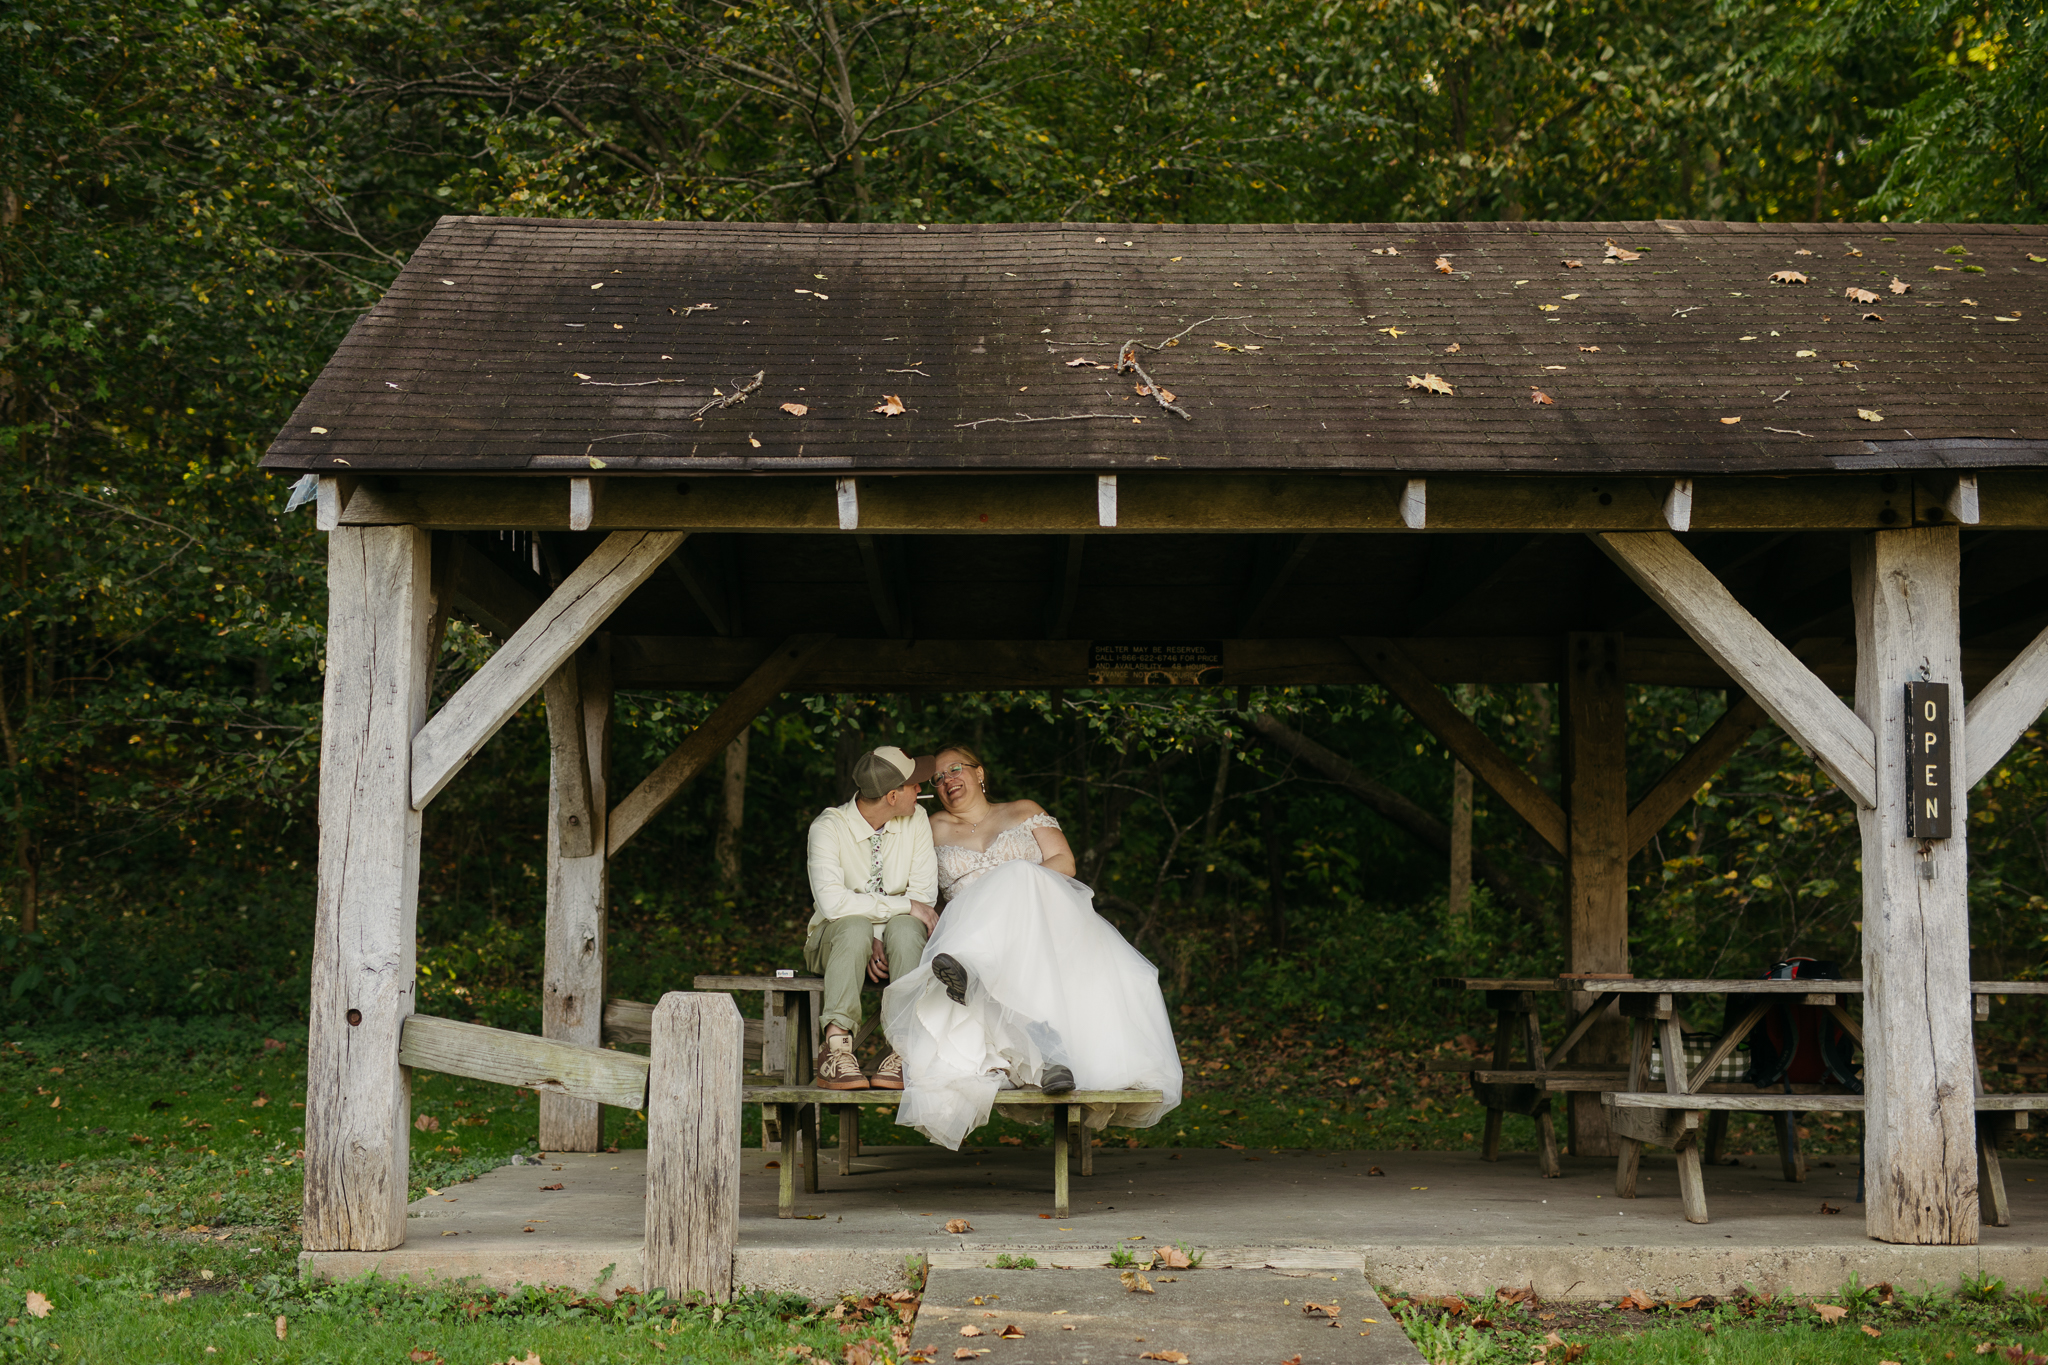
2002, 712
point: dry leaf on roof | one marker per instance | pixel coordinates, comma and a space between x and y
796, 409
1548, 307
2037, 260
890, 406
1392, 331
1899, 286
1430, 383
1554, 367
1830, 1312
1870, 414
1443, 265
1147, 391
1082, 362
1589, 348
1251, 348
1541, 399
2010, 319
1621, 253
1453, 349
1802, 252
598, 285
1873, 317
1788, 277
1854, 252
958, 1225
1223, 346
1568, 296
1386, 251
1806, 355
1971, 303
1859, 295
1730, 421
1573, 265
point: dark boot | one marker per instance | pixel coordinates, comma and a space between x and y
952, 976
1057, 1080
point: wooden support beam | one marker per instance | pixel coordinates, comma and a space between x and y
487, 595
1065, 589
693, 1146
1803, 706
574, 964
1920, 1067
571, 615
708, 740
1169, 501
1273, 567
1410, 686
1596, 852
594, 1074
2000, 713
358, 1096
1692, 771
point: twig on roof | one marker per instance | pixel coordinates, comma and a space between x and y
1183, 332
907, 372
635, 384
1782, 431
1021, 418
1127, 359
1267, 335
736, 397
1783, 396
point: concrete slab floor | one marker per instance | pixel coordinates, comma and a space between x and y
1072, 1317
1435, 1222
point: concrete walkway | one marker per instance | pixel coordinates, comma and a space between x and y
1435, 1222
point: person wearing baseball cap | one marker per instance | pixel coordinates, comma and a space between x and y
874, 883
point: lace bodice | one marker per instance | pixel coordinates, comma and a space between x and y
959, 865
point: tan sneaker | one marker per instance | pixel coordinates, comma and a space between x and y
838, 1068
889, 1075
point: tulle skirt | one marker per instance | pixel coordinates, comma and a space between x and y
1049, 981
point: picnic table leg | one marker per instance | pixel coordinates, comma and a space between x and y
1547, 1163
849, 1137
1503, 1056
807, 1119
1996, 1209
1692, 1184
1791, 1160
1087, 1149
1628, 1159
785, 1198
1717, 1135
1059, 1161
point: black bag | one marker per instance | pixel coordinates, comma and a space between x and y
1794, 1042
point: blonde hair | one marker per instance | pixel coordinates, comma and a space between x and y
971, 758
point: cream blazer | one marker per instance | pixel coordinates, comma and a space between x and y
837, 858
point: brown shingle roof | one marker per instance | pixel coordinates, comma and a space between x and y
472, 361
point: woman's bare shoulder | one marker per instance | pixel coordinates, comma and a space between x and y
1022, 810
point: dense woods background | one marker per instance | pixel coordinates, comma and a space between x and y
196, 199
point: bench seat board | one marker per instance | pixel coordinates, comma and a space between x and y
804, 1094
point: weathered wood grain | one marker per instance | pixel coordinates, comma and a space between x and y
693, 1145
1692, 771
570, 616
574, 963
1390, 664
495, 1054
1595, 788
1920, 1066
1802, 705
358, 1097
709, 739
632, 1021
2003, 711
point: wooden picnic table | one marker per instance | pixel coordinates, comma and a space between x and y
1671, 1118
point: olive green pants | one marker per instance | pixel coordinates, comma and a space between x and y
840, 949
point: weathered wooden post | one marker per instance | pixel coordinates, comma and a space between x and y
693, 1144
1596, 857
1919, 1061
579, 705
358, 1097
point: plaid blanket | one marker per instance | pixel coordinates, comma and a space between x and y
1697, 1045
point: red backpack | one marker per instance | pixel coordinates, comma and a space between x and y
1798, 1043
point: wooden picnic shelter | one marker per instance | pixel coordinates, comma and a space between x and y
1805, 463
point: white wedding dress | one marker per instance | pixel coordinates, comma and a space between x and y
1049, 980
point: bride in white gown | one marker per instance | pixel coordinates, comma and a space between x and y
1022, 983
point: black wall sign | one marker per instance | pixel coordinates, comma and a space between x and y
1927, 760
1154, 663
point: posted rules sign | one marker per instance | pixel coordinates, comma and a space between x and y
1927, 760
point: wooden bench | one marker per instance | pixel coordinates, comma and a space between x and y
791, 1102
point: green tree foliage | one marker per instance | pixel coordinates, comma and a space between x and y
196, 199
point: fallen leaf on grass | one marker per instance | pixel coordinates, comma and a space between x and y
1541, 399
38, 1306
259, 1101
958, 1225
1687, 1303
1788, 277
1870, 1331
1637, 1301
1859, 295
421, 1357
1621, 253
1985, 1348
796, 409
1830, 1312
1443, 265
1011, 1141
1176, 1357
1134, 1283
1870, 414
890, 406
280, 1326
427, 1123
1429, 383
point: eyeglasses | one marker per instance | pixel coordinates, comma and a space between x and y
948, 772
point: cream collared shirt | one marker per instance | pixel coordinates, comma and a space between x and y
840, 859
